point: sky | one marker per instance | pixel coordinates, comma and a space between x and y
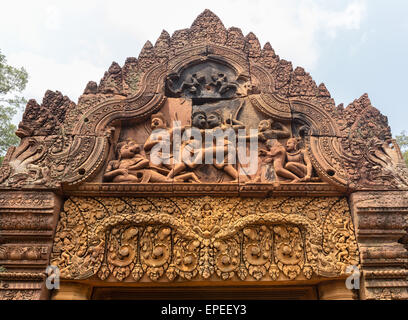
352, 46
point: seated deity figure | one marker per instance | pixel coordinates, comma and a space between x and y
297, 160
276, 154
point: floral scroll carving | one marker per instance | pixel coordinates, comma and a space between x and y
257, 251
289, 251
204, 238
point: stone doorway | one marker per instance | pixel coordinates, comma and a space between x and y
88, 290
207, 293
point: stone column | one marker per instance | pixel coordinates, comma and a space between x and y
72, 291
381, 221
335, 290
27, 225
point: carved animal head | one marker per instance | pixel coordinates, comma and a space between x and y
199, 120
158, 121
214, 119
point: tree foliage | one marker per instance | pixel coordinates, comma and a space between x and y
402, 141
12, 82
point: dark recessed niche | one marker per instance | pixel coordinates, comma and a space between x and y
205, 80
81, 171
331, 172
201, 101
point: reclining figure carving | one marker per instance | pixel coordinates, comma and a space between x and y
133, 167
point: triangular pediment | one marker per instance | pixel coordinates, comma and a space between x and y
223, 75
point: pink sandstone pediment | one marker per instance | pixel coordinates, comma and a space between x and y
324, 191
211, 68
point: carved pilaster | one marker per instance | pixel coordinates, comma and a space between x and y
72, 291
381, 219
335, 290
27, 226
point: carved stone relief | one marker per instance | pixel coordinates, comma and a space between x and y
230, 79
27, 223
205, 79
203, 238
381, 223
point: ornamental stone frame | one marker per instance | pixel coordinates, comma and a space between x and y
81, 192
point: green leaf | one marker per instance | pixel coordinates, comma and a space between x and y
12, 81
402, 141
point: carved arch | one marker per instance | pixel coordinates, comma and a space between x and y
322, 141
